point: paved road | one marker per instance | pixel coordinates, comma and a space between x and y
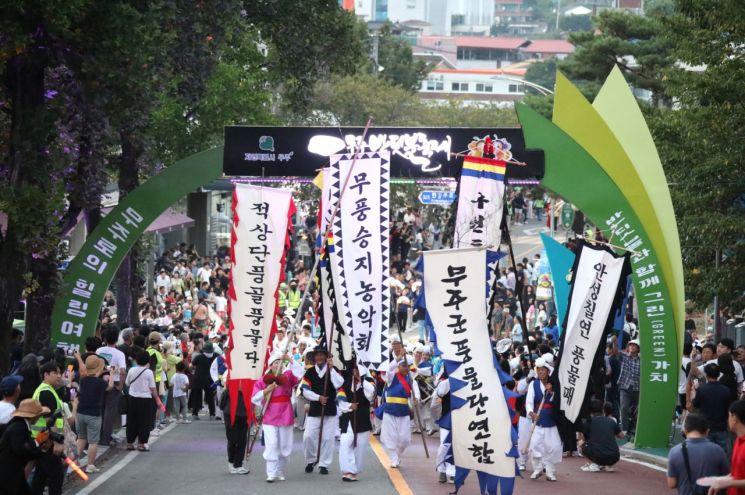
191, 460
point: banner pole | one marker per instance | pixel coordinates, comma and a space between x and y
330, 338
518, 283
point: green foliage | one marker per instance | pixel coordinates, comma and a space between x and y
542, 73
632, 42
573, 23
350, 100
308, 40
702, 145
396, 60
543, 10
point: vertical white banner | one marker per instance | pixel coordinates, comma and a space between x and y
454, 281
260, 237
595, 284
361, 251
480, 202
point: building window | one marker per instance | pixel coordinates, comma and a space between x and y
484, 88
457, 20
459, 86
516, 88
410, 4
435, 85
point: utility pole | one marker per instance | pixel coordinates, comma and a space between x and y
717, 322
558, 13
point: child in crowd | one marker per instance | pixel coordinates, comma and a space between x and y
180, 389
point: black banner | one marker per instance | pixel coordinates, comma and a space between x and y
415, 152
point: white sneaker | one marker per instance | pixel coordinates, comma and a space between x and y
155, 432
608, 469
270, 479
550, 477
536, 474
590, 468
521, 467
281, 477
90, 469
240, 470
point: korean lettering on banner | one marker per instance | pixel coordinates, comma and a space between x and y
257, 251
359, 191
476, 225
416, 147
585, 324
650, 299
115, 237
477, 401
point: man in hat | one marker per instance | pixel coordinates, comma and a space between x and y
425, 381
157, 362
10, 390
628, 379
446, 470
283, 297
395, 433
354, 400
322, 397
545, 444
18, 446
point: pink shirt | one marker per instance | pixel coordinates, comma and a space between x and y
279, 411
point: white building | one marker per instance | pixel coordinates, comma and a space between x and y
501, 86
446, 17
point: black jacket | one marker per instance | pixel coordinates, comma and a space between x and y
17, 448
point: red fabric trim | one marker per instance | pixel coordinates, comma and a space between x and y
486, 161
278, 399
404, 383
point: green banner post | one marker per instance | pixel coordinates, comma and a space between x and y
89, 275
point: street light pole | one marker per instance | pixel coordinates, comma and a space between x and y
541, 89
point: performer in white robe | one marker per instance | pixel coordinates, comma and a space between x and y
445, 469
322, 408
545, 444
354, 400
395, 433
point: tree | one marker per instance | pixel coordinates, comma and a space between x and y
702, 146
635, 43
573, 23
396, 61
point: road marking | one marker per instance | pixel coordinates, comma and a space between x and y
103, 478
399, 483
645, 464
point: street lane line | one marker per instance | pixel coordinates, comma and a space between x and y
645, 464
106, 475
399, 483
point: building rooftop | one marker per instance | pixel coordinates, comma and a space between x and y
483, 72
549, 46
498, 43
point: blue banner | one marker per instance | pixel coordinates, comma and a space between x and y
561, 260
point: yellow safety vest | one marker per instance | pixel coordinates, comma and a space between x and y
159, 363
294, 299
59, 423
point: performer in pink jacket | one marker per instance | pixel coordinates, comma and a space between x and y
276, 388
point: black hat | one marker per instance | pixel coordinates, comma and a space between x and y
320, 348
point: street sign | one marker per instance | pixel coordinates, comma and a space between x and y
567, 216
437, 197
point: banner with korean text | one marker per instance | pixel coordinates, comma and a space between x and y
360, 264
482, 440
258, 246
480, 198
595, 287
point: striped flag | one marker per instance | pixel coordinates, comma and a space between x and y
480, 201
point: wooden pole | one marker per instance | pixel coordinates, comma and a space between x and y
330, 338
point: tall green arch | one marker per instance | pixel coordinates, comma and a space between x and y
587, 163
86, 280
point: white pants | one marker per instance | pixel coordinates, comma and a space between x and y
545, 449
395, 435
310, 439
277, 449
351, 458
442, 466
523, 432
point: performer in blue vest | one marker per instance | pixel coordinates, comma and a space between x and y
395, 433
545, 443
445, 469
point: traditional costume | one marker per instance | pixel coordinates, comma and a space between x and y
355, 425
425, 381
395, 433
445, 469
545, 444
313, 386
278, 417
